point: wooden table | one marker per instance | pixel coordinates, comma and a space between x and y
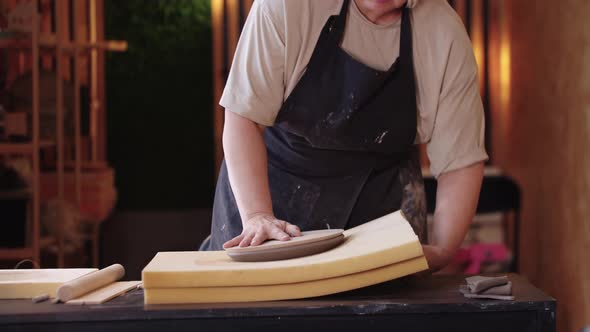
427, 304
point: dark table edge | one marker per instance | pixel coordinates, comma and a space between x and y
164, 312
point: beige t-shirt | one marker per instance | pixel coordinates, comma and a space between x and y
278, 40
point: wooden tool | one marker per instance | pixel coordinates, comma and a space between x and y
90, 282
27, 284
105, 293
309, 243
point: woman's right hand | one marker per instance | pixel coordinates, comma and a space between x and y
261, 227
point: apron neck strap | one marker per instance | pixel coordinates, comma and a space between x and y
340, 21
405, 47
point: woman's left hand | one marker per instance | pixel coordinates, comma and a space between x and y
437, 257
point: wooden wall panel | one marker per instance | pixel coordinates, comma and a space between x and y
227, 16
217, 22
98, 149
544, 142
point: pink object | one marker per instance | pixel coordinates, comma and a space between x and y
481, 253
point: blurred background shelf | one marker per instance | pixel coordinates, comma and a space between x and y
49, 41
14, 254
16, 194
22, 148
53, 91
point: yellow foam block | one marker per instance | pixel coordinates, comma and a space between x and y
284, 292
26, 284
384, 241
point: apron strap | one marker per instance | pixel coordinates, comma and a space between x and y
340, 22
330, 37
405, 51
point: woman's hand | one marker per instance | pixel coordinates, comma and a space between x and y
261, 227
437, 257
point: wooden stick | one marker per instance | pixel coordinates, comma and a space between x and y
90, 282
77, 133
94, 102
218, 78
36, 140
40, 298
59, 129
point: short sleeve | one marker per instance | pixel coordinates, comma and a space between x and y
457, 139
255, 86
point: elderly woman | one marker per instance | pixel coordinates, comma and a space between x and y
324, 107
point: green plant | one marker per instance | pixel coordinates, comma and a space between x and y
159, 103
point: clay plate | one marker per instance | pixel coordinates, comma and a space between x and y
309, 243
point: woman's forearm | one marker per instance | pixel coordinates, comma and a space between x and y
246, 161
456, 201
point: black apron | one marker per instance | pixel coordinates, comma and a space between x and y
342, 151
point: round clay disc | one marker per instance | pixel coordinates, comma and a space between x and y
309, 243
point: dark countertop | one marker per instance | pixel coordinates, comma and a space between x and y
436, 295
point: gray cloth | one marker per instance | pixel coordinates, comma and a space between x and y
469, 295
477, 284
479, 287
498, 290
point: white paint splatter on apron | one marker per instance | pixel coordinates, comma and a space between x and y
379, 138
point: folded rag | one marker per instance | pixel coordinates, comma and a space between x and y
479, 287
498, 290
477, 284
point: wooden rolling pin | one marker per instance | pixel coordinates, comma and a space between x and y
85, 284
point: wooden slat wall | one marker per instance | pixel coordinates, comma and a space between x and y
227, 19
46, 27
218, 77
478, 22
62, 29
56, 20
101, 131
544, 143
